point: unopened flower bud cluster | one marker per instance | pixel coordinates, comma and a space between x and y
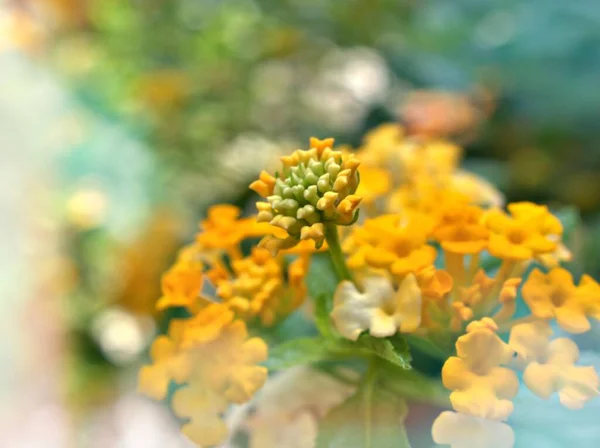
316, 186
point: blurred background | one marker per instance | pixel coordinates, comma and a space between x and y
122, 120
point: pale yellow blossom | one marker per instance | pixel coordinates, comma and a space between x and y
478, 190
481, 387
287, 411
557, 373
465, 431
202, 408
528, 340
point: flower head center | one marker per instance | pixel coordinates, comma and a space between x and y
517, 235
558, 297
402, 247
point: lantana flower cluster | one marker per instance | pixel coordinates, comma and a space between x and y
434, 266
209, 355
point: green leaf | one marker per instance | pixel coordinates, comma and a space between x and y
372, 418
367, 345
312, 350
295, 352
435, 348
414, 386
295, 326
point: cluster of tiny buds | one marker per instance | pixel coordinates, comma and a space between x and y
315, 187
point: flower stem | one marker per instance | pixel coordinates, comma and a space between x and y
368, 386
335, 252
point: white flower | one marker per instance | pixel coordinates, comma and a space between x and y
557, 373
464, 431
288, 409
380, 309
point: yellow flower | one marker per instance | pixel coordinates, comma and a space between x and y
554, 295
434, 159
380, 309
459, 230
316, 187
546, 223
481, 387
391, 242
530, 231
423, 196
465, 431
590, 292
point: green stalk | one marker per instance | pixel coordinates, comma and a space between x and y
335, 252
368, 386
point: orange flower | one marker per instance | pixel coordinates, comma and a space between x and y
434, 283
207, 324
182, 285
224, 229
258, 287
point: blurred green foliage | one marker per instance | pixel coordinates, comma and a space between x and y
193, 77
